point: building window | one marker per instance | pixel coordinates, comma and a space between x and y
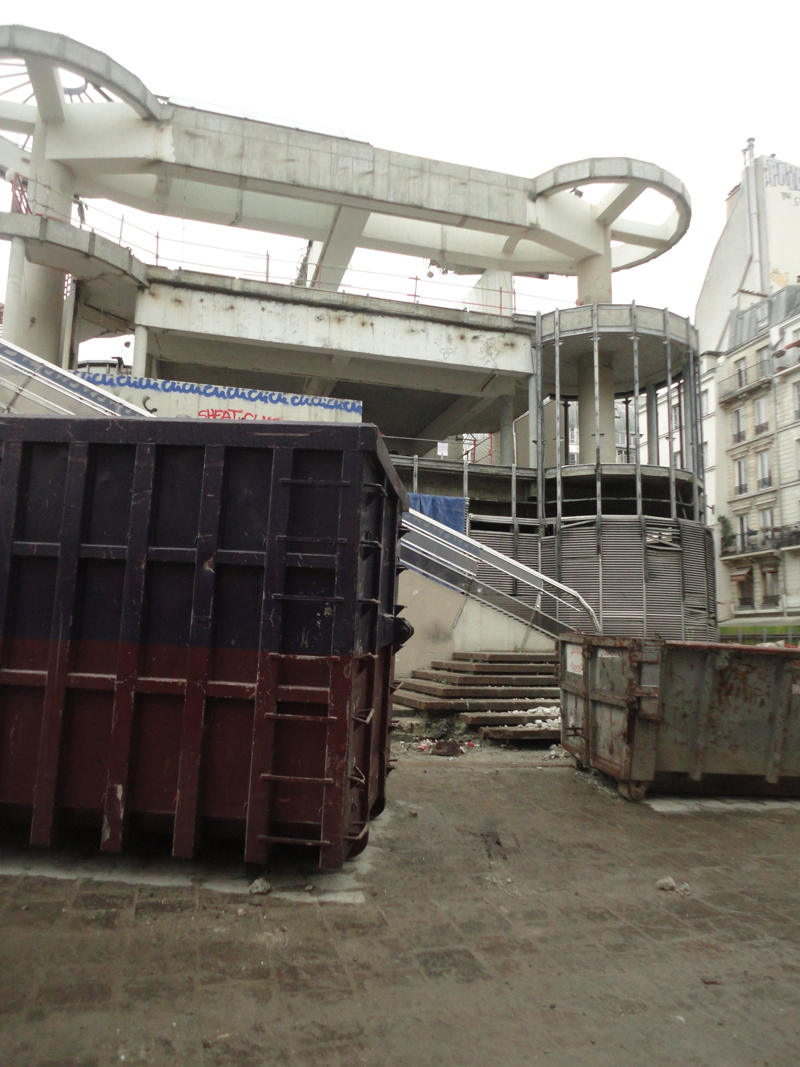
766, 519
743, 580
796, 334
764, 469
737, 425
704, 403
771, 595
740, 475
740, 370
704, 454
742, 533
763, 363
762, 416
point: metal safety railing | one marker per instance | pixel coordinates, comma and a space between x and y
540, 603
252, 260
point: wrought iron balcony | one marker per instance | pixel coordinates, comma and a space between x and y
765, 483
771, 601
741, 379
762, 427
741, 435
761, 540
741, 489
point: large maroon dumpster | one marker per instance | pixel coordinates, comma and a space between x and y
198, 626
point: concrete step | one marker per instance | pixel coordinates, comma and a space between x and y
456, 678
504, 718
518, 733
483, 667
441, 705
507, 657
437, 689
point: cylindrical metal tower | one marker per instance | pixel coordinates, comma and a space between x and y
620, 468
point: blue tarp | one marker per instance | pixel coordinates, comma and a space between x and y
448, 510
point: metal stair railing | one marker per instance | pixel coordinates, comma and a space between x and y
541, 603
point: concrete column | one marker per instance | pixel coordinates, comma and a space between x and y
586, 410
533, 423
139, 369
14, 311
492, 294
507, 430
37, 293
594, 276
652, 426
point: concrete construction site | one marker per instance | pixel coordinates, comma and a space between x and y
392, 672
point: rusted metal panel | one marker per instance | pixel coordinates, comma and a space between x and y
681, 715
198, 624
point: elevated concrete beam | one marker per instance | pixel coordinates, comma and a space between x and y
618, 199
47, 88
314, 327
18, 118
343, 239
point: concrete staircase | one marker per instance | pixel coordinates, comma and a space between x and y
493, 690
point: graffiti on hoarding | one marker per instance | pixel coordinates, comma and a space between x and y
219, 392
235, 413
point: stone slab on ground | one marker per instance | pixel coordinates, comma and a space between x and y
454, 678
505, 912
487, 667
519, 733
503, 718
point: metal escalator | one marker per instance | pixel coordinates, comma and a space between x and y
502, 583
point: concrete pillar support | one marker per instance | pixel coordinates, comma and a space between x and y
534, 417
506, 430
594, 276
492, 294
652, 425
13, 312
586, 410
36, 293
139, 369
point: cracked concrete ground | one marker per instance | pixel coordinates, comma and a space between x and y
505, 913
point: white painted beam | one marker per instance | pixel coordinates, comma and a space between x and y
18, 118
47, 88
348, 227
640, 234
618, 199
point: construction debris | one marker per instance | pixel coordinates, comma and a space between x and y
669, 885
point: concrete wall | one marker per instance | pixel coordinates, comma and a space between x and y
432, 608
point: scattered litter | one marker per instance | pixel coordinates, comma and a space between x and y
309, 889
413, 813
711, 981
669, 885
259, 887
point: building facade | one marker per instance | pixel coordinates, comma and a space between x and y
758, 486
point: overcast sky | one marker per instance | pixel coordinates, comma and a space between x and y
515, 86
